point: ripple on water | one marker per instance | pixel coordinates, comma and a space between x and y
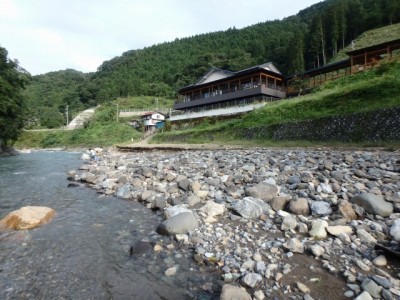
83, 253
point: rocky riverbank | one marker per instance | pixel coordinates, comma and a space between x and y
298, 224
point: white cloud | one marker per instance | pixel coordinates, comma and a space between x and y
49, 35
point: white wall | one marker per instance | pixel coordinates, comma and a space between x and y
218, 112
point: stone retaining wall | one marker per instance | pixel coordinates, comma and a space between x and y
380, 125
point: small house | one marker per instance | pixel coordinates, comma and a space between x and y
152, 121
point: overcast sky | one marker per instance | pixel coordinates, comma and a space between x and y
52, 35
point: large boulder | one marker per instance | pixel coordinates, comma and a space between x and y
179, 224
264, 191
373, 204
250, 207
27, 217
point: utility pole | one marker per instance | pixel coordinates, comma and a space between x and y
156, 100
66, 113
117, 113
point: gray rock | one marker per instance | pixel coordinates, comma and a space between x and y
289, 223
382, 281
371, 287
175, 210
159, 203
173, 189
147, 196
337, 175
231, 292
279, 203
141, 247
387, 295
316, 250
395, 230
212, 209
184, 184
380, 261
318, 229
251, 279
250, 207
321, 208
260, 267
91, 178
192, 200
373, 204
365, 236
293, 179
147, 172
124, 192
364, 296
181, 223
299, 206
326, 188
306, 177
294, 245
263, 190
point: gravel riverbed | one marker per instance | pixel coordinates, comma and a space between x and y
284, 224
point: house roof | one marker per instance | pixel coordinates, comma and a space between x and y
221, 75
324, 69
149, 113
214, 73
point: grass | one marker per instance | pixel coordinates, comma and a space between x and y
102, 131
144, 102
93, 136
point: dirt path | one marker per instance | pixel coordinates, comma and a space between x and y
144, 145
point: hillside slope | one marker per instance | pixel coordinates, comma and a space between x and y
293, 44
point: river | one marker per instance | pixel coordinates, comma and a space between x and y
83, 253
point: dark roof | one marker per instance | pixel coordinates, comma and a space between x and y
324, 69
236, 75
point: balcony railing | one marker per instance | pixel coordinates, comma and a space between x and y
206, 98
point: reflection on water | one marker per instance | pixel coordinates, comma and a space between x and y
83, 252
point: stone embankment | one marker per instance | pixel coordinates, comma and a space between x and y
289, 224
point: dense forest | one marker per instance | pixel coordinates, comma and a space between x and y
12, 81
307, 40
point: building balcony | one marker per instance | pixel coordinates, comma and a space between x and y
239, 94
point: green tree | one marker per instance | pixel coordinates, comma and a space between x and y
12, 82
295, 53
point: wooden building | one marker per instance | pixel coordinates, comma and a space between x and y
368, 57
220, 88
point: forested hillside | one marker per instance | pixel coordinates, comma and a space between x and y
296, 43
49, 94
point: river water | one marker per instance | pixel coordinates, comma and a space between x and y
83, 253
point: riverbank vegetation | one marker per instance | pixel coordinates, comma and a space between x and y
102, 130
12, 81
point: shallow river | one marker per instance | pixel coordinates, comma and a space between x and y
83, 253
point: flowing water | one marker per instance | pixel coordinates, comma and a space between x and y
83, 253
